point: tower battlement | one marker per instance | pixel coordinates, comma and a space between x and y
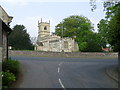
41, 22
43, 29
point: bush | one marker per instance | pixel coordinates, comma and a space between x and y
7, 78
11, 65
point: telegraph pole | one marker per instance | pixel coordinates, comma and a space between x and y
62, 35
62, 30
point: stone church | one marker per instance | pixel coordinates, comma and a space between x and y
53, 43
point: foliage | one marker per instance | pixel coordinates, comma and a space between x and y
19, 39
106, 3
83, 46
11, 65
72, 26
102, 31
10, 70
79, 28
7, 78
113, 32
93, 43
110, 28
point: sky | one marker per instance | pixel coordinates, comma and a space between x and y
28, 12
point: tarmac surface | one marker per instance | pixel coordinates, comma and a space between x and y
50, 72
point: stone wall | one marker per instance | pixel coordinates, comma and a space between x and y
58, 45
0, 54
63, 54
0, 41
4, 47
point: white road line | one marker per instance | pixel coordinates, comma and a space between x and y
59, 64
61, 83
58, 69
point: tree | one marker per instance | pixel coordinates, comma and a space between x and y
73, 25
19, 39
106, 4
113, 25
112, 22
110, 28
102, 31
113, 16
79, 28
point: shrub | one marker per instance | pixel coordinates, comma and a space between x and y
7, 78
11, 65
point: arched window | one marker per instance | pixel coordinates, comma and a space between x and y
65, 44
40, 43
45, 28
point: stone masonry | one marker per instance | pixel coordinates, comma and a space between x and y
5, 20
54, 43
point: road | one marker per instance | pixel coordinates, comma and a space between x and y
45, 72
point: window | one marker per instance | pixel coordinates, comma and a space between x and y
65, 44
45, 28
40, 43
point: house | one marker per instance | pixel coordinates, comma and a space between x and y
5, 30
107, 49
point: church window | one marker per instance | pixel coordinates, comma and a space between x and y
65, 44
45, 28
40, 43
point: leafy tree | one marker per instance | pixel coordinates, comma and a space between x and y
109, 29
19, 39
113, 35
113, 24
93, 42
102, 31
106, 4
80, 29
73, 25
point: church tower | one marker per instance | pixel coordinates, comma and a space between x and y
43, 29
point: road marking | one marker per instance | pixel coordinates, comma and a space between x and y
60, 63
58, 69
61, 83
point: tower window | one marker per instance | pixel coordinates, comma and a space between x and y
45, 28
65, 44
40, 43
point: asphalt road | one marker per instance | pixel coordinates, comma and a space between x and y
45, 72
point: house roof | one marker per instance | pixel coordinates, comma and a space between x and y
5, 12
5, 27
4, 16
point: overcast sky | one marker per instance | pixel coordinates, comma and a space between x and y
28, 12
